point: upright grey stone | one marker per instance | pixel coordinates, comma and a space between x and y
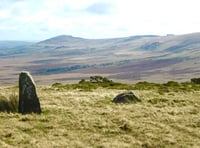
28, 99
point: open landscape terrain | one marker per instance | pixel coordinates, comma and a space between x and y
129, 59
83, 115
79, 112
99, 74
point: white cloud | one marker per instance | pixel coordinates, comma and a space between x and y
97, 18
4, 14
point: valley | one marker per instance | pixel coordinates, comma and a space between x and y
128, 59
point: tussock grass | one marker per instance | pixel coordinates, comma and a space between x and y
75, 117
9, 104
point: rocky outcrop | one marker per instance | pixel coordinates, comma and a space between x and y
126, 97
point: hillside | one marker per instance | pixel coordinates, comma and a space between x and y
167, 116
128, 59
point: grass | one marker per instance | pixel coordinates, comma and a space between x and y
77, 117
89, 86
9, 104
170, 86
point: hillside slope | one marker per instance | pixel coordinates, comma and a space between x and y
130, 59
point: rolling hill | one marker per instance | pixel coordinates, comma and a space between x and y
129, 59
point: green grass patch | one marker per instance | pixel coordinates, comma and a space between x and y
102, 82
94, 83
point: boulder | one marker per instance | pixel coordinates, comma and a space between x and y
28, 99
126, 97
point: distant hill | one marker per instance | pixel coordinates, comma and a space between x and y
8, 48
136, 58
13, 44
61, 39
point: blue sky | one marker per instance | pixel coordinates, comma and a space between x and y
42, 19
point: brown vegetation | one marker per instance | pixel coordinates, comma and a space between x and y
79, 117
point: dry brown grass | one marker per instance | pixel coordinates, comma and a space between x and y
76, 118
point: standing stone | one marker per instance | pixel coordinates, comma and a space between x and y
28, 100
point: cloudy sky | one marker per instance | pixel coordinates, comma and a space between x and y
42, 19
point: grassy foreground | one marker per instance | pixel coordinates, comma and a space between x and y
74, 117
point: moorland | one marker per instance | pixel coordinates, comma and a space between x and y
127, 59
78, 111
83, 115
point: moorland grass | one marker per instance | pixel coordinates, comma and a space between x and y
9, 104
75, 116
170, 86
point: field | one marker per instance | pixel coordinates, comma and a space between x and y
79, 116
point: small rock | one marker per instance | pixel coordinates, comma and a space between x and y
124, 127
28, 99
126, 97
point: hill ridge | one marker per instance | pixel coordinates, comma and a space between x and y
60, 38
134, 58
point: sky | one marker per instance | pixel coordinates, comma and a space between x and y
36, 20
